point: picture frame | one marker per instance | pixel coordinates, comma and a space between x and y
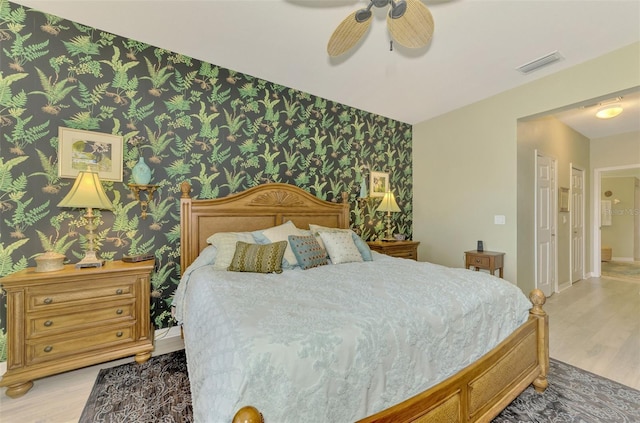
564, 199
79, 149
378, 183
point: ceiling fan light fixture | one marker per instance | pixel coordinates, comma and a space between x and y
609, 112
363, 15
397, 9
409, 22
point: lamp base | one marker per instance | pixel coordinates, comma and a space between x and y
90, 259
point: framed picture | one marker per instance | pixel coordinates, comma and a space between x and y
564, 199
379, 183
79, 150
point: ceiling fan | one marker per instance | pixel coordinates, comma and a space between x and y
409, 22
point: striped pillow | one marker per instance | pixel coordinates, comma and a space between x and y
258, 258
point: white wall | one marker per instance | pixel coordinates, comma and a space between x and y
465, 161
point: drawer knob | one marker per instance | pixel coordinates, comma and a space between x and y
478, 260
48, 348
119, 311
48, 323
118, 334
119, 291
48, 300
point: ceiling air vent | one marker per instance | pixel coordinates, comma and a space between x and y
540, 62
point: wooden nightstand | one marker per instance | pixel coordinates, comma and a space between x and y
488, 260
402, 249
72, 318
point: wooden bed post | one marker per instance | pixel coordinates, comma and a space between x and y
185, 223
248, 414
538, 299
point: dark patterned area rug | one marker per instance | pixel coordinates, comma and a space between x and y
158, 391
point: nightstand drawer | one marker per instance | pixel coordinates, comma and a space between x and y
401, 249
54, 348
478, 261
404, 254
65, 322
43, 297
487, 260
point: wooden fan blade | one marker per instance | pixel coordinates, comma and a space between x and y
347, 35
415, 28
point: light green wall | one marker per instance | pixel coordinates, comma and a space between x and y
552, 138
619, 235
465, 162
616, 150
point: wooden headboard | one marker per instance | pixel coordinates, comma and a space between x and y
257, 208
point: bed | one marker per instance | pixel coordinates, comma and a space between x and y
247, 336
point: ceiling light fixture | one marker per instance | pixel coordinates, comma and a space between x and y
409, 22
609, 112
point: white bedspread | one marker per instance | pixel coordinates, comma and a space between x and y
335, 343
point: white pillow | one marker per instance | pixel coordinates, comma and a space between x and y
225, 243
281, 233
340, 247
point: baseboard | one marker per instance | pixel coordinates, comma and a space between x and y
166, 333
621, 258
159, 335
564, 286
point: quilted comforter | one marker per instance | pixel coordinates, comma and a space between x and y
335, 343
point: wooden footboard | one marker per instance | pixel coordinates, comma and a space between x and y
480, 391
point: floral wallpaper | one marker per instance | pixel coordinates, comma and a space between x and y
222, 130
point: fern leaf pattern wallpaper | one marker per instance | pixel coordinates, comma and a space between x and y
222, 130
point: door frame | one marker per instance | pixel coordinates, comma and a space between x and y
596, 253
584, 224
554, 216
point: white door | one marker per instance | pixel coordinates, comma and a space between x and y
545, 224
577, 224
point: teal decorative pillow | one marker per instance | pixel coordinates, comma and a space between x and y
308, 251
258, 258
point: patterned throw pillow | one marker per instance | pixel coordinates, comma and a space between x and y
258, 258
340, 247
362, 246
308, 251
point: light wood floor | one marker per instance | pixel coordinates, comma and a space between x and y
594, 325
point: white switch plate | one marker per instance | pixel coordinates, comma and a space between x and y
499, 219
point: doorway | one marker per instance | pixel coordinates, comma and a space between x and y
596, 252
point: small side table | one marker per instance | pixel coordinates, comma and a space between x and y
487, 260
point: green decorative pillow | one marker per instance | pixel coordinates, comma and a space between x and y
258, 258
308, 251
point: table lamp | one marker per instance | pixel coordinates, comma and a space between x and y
388, 204
87, 192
